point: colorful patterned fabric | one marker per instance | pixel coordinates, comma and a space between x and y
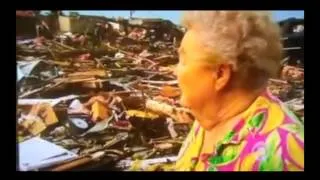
267, 137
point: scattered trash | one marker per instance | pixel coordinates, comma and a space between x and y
100, 126
58, 131
145, 54
84, 57
119, 55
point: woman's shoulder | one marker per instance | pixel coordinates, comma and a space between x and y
270, 138
270, 113
273, 119
275, 135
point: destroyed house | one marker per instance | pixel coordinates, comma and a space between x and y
288, 25
156, 24
293, 40
161, 26
79, 24
25, 23
150, 23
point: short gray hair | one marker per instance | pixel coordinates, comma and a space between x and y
249, 40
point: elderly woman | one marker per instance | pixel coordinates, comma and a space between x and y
226, 58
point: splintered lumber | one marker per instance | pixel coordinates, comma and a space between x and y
31, 52
171, 129
149, 86
59, 63
63, 45
278, 81
97, 72
52, 54
167, 109
98, 61
80, 80
68, 53
132, 55
285, 60
75, 52
118, 93
173, 82
75, 79
122, 51
98, 83
295, 104
79, 161
292, 48
49, 86
73, 164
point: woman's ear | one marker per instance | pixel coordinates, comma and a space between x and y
223, 76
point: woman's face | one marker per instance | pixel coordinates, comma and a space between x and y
196, 76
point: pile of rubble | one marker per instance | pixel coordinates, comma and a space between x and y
290, 89
110, 106
108, 103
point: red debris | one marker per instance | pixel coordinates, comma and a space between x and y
39, 41
25, 13
84, 57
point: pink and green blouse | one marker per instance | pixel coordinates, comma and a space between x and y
267, 137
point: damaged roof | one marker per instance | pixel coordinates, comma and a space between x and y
292, 21
149, 22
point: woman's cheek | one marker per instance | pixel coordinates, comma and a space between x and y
192, 85
177, 72
185, 84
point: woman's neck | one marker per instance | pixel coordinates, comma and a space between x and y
228, 106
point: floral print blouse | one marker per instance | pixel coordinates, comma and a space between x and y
267, 137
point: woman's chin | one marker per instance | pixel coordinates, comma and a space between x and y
205, 125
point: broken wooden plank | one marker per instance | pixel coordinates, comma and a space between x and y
45, 88
98, 83
63, 45
278, 81
292, 48
70, 80
131, 55
149, 86
59, 63
94, 72
167, 109
172, 82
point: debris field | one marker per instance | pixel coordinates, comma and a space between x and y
113, 106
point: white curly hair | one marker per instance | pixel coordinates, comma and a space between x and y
249, 40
